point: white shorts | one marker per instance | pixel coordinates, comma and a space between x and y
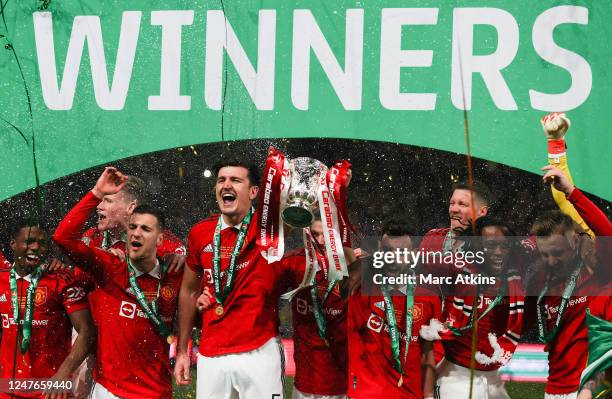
454, 383
99, 392
257, 374
572, 395
301, 395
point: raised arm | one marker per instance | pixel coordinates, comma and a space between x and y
593, 217
555, 127
68, 232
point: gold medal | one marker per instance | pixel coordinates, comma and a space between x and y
170, 339
400, 382
219, 310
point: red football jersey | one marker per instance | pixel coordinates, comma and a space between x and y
459, 349
433, 241
371, 371
57, 295
4, 264
319, 369
567, 353
250, 316
132, 358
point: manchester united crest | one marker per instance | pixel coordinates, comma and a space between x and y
167, 293
417, 311
40, 296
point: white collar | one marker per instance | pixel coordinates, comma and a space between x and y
155, 272
27, 278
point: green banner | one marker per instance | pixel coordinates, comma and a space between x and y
90, 82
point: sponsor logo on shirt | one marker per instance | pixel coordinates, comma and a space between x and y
380, 305
550, 311
208, 276
8, 321
127, 309
301, 306
208, 248
3, 298
375, 323
40, 296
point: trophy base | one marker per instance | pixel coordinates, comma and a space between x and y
296, 216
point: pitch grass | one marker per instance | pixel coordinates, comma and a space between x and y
516, 390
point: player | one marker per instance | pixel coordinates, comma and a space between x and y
319, 333
499, 314
464, 207
136, 301
565, 283
385, 349
38, 310
113, 214
239, 354
4, 264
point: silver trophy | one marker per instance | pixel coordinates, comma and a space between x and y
302, 199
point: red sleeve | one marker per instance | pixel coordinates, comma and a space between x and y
193, 251
68, 237
592, 215
291, 270
170, 245
4, 264
72, 293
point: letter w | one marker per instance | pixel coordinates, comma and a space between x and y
85, 28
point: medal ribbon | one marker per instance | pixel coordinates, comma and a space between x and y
221, 294
393, 329
543, 336
316, 308
151, 309
314, 263
29, 308
458, 331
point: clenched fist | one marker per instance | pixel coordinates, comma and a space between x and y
555, 125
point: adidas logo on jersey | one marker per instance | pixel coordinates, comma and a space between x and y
208, 248
3, 298
380, 305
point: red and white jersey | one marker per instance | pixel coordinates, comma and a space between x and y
459, 349
4, 264
319, 369
250, 312
132, 358
170, 245
568, 351
371, 366
57, 295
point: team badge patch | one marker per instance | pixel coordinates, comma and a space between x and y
375, 323
40, 296
417, 312
167, 293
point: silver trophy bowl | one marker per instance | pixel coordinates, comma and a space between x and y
302, 200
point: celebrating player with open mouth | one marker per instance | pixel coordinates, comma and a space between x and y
39, 309
136, 302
